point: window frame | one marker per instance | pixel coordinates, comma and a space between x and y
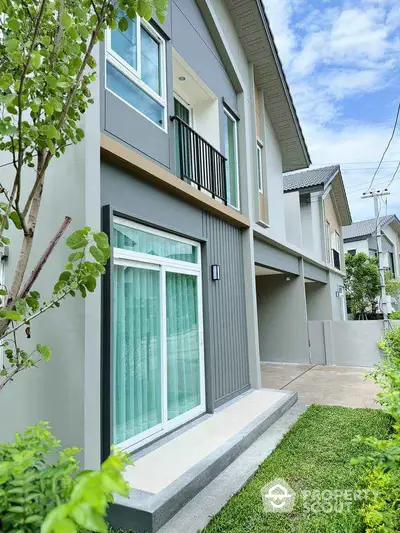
260, 170
128, 258
235, 121
134, 75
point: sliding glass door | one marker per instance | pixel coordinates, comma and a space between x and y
158, 363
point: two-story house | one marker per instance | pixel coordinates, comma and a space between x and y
182, 165
361, 237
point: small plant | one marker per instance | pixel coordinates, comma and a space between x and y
395, 315
42, 492
382, 476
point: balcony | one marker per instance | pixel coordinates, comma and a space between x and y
198, 162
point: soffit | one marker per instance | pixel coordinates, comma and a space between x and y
255, 34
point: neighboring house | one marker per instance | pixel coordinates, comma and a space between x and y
182, 164
361, 237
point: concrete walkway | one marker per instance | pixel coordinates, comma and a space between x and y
325, 385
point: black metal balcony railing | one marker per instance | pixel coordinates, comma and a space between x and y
199, 162
336, 258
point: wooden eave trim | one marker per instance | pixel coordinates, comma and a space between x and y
127, 158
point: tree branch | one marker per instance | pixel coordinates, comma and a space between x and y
79, 76
38, 268
20, 90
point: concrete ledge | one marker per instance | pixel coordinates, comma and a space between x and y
146, 512
127, 158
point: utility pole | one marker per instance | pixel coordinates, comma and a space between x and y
383, 305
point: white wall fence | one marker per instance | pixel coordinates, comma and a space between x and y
349, 343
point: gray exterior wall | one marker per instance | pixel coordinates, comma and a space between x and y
227, 366
53, 392
318, 299
268, 256
349, 343
186, 32
282, 319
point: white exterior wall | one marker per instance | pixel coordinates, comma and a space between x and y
359, 246
393, 236
53, 392
293, 218
318, 227
66, 390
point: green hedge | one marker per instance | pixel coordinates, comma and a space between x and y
381, 511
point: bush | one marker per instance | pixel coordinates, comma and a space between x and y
41, 491
382, 477
395, 315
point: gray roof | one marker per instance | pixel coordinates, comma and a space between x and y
309, 178
365, 228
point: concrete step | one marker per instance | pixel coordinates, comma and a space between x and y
146, 511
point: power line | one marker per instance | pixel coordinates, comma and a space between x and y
393, 177
387, 147
355, 163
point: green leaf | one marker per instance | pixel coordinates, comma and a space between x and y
123, 24
76, 256
89, 519
97, 254
51, 81
11, 315
15, 218
44, 350
12, 45
33, 303
77, 240
51, 131
90, 283
101, 239
21, 307
36, 60
3, 292
66, 20
6, 99
65, 276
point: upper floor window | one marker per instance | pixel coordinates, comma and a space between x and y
135, 69
336, 249
232, 156
352, 252
260, 167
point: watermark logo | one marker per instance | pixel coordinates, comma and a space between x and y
278, 497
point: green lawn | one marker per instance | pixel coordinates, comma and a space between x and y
315, 454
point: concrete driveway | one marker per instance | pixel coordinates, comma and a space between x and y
325, 385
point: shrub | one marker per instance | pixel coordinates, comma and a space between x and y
41, 491
382, 476
395, 315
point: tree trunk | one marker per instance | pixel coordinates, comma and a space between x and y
27, 242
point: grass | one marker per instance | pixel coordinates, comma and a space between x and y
315, 454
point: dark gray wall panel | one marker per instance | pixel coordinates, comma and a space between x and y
269, 256
139, 199
225, 335
131, 127
227, 314
315, 273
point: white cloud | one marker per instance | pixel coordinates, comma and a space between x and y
330, 53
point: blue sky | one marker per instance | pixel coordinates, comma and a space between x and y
342, 61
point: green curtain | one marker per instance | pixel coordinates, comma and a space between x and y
183, 356
148, 243
136, 351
